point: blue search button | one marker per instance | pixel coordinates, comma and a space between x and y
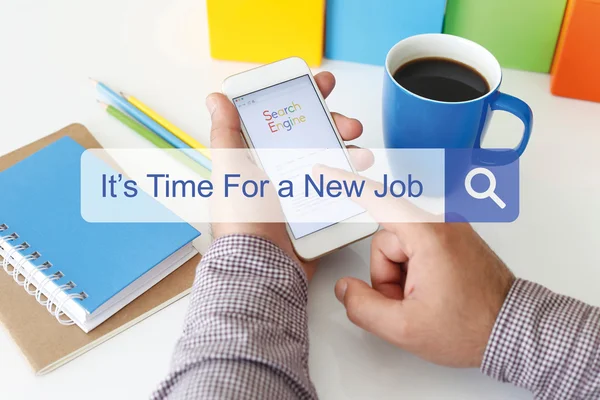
481, 186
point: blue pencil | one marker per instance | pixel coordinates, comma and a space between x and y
142, 118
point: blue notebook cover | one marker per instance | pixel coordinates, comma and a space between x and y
41, 202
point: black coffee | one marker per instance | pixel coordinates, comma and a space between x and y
441, 79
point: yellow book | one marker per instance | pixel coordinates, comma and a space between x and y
264, 31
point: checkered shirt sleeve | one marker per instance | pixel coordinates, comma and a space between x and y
245, 334
546, 343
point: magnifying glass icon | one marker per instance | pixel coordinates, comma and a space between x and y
491, 190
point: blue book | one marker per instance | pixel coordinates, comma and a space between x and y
364, 31
82, 272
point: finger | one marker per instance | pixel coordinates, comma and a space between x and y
394, 214
349, 128
225, 132
309, 267
326, 82
369, 309
387, 276
361, 159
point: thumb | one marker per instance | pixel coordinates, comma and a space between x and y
369, 309
225, 132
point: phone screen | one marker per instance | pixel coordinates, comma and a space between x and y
290, 115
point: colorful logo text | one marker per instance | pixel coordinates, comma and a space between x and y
285, 118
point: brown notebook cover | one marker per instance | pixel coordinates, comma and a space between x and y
48, 344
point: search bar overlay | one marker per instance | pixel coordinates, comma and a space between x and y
308, 188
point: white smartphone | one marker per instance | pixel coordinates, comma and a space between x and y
280, 106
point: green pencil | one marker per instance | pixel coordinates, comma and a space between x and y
155, 139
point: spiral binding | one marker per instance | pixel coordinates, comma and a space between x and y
17, 270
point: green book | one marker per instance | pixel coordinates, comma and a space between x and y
522, 34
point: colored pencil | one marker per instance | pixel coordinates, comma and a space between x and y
154, 139
149, 123
167, 125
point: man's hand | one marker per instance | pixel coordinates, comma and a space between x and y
226, 134
436, 289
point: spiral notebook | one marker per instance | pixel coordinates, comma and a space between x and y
77, 272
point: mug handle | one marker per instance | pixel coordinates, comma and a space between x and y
520, 109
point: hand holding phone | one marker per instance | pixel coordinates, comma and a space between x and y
266, 116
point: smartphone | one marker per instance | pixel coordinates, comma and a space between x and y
281, 107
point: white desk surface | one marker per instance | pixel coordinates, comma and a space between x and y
158, 51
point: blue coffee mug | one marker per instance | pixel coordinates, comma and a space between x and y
413, 121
